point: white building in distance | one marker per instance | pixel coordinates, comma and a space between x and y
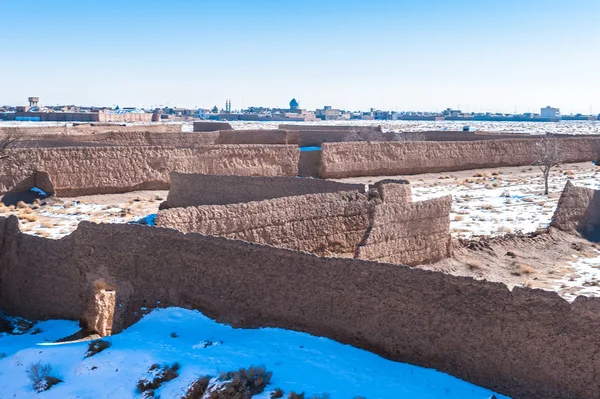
550, 113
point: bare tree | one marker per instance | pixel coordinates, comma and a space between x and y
549, 153
7, 139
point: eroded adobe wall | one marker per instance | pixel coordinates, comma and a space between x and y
211, 126
258, 136
118, 139
196, 189
310, 138
525, 343
578, 210
329, 224
384, 225
91, 128
328, 128
102, 170
408, 233
340, 160
391, 190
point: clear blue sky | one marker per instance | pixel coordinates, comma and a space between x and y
496, 55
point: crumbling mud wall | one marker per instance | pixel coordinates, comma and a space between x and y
339, 160
408, 233
384, 225
578, 210
118, 139
102, 170
90, 128
259, 136
195, 189
391, 190
211, 126
329, 224
328, 128
523, 343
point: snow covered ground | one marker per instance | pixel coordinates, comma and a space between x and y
584, 276
299, 362
567, 127
493, 204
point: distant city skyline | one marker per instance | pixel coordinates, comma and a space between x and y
479, 56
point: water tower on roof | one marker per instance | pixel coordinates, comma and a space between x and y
294, 104
33, 101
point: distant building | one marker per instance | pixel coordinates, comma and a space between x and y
294, 105
36, 113
328, 113
550, 113
452, 112
202, 113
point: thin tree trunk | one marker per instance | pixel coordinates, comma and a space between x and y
546, 177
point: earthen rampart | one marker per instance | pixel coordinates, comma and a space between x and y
259, 136
578, 210
384, 225
339, 160
102, 170
524, 343
211, 126
90, 128
118, 139
331, 224
196, 189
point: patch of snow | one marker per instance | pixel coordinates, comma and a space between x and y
299, 362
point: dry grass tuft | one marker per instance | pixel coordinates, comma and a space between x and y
458, 218
40, 375
47, 224
160, 376
521, 268
27, 217
504, 229
96, 347
22, 205
198, 388
474, 264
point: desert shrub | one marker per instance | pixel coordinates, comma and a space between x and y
255, 378
474, 264
276, 394
27, 217
294, 395
47, 224
96, 347
174, 335
198, 388
40, 375
521, 268
242, 384
232, 389
158, 376
2, 355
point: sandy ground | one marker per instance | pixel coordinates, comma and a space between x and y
500, 208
